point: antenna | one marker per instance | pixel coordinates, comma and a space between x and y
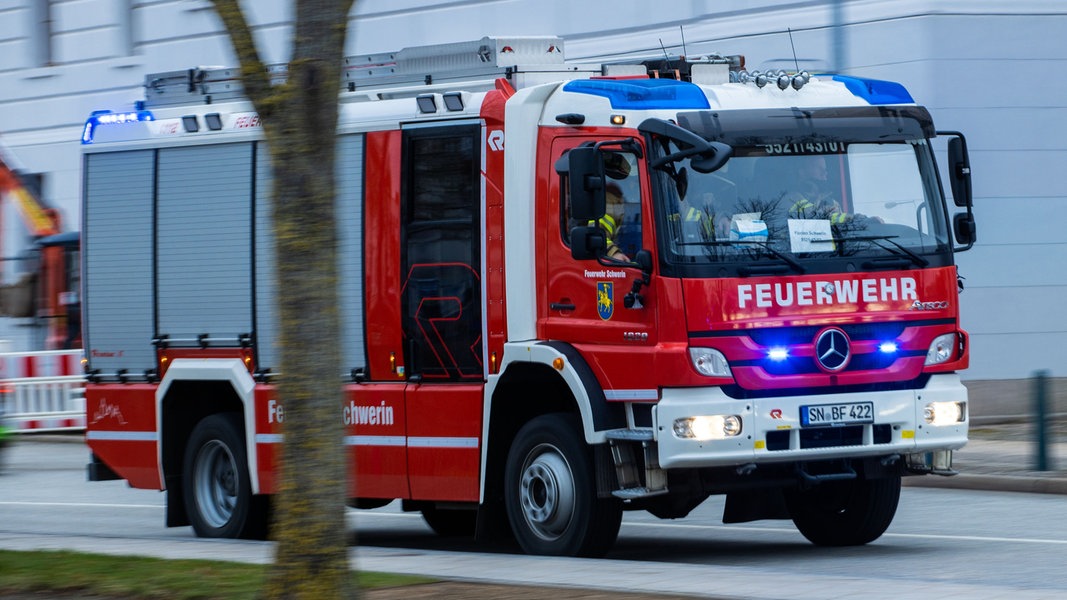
796, 62
681, 29
666, 56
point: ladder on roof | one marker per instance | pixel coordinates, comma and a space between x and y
473, 65
483, 60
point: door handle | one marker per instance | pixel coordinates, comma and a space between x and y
562, 306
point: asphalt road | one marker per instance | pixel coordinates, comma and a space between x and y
943, 544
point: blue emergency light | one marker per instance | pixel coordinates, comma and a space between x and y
778, 354
642, 94
876, 91
106, 117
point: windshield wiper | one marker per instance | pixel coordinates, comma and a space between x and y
904, 251
792, 262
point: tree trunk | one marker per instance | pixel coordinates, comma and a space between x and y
311, 559
300, 121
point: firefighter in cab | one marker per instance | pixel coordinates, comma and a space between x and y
621, 222
612, 220
812, 199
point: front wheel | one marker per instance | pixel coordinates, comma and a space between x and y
551, 493
216, 486
845, 513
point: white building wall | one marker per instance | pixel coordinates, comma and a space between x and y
988, 69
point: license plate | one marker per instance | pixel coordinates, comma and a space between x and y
847, 413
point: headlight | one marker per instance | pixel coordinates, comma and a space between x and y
942, 349
712, 427
945, 413
709, 362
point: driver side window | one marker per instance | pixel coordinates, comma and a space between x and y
621, 223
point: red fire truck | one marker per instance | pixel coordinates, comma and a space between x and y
569, 290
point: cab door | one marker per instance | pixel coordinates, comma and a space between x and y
583, 301
441, 308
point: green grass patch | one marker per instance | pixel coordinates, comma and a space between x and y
140, 577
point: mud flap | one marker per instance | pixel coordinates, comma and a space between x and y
743, 507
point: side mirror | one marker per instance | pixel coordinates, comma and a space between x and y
713, 159
965, 229
588, 242
711, 156
959, 166
585, 171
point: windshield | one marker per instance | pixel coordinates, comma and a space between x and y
808, 194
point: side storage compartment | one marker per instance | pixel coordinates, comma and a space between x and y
204, 244
118, 261
168, 254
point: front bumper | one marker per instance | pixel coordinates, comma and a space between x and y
771, 430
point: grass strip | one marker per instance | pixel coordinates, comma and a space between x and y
140, 577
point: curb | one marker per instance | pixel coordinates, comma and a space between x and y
992, 483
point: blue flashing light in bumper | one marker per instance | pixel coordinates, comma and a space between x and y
106, 117
642, 94
876, 91
778, 354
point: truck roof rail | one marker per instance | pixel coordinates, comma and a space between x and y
486, 59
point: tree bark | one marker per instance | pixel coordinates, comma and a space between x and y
299, 120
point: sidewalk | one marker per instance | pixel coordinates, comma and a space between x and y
999, 458
1003, 457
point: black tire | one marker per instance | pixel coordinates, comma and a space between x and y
451, 523
845, 513
216, 485
550, 492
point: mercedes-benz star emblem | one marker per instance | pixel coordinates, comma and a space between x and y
832, 350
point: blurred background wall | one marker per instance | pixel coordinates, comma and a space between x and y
990, 69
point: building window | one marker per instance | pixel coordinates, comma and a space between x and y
41, 32
127, 39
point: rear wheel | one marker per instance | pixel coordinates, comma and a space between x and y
550, 492
845, 513
217, 489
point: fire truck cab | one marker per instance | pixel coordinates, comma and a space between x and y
570, 290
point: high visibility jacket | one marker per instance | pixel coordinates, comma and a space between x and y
703, 219
805, 209
608, 224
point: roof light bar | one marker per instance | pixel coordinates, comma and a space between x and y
876, 91
643, 94
106, 117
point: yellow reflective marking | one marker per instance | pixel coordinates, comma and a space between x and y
907, 434
760, 444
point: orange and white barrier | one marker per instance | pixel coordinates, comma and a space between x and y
42, 391
48, 363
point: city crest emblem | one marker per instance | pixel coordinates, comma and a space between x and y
605, 299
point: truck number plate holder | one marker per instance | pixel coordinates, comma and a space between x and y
828, 415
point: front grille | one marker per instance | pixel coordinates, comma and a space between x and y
829, 437
807, 366
792, 336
